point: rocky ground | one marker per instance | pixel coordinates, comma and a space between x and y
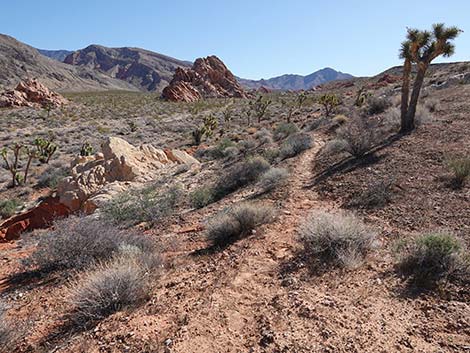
259, 294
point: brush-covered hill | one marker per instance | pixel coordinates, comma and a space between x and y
147, 70
19, 61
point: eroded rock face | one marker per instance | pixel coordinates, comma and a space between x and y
31, 93
96, 178
208, 78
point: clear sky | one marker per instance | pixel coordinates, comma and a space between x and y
256, 39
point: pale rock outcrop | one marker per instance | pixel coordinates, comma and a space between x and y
95, 179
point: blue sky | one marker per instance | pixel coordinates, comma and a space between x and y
256, 39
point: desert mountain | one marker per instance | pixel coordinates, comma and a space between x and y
58, 55
146, 70
297, 82
19, 61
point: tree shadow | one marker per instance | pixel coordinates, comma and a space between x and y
27, 280
352, 163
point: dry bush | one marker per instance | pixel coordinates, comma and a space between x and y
336, 239
8, 331
375, 195
360, 136
377, 105
114, 286
238, 222
202, 197
78, 242
295, 144
149, 204
432, 258
264, 136
240, 175
334, 147
460, 167
284, 130
273, 178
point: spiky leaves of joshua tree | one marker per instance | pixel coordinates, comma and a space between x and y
421, 48
329, 103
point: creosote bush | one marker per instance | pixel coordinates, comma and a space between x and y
273, 178
238, 222
78, 242
110, 287
202, 197
295, 144
8, 207
432, 258
460, 167
149, 205
336, 239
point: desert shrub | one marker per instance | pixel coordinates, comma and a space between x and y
340, 119
120, 284
284, 130
295, 144
231, 152
377, 105
202, 197
220, 148
270, 154
359, 135
264, 136
460, 167
78, 242
239, 175
273, 178
376, 195
8, 331
9, 207
336, 239
317, 123
51, 176
432, 105
246, 145
334, 147
431, 258
149, 204
237, 222
391, 120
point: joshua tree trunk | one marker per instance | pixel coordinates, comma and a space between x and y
409, 122
405, 91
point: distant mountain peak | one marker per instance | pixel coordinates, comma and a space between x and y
297, 82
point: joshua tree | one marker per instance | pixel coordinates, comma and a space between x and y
45, 148
421, 48
259, 107
301, 98
329, 103
13, 164
210, 123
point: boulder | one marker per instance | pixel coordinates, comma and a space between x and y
208, 78
31, 93
93, 179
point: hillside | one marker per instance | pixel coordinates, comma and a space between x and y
147, 70
297, 82
19, 61
58, 55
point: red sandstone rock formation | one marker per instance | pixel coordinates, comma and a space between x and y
208, 78
31, 93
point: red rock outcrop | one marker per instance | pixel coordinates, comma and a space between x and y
208, 78
31, 93
40, 216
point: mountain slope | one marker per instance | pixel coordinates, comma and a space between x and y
19, 61
144, 69
297, 82
58, 55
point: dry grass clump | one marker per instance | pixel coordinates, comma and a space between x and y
432, 258
238, 222
78, 242
460, 168
110, 287
336, 239
295, 144
149, 205
273, 178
